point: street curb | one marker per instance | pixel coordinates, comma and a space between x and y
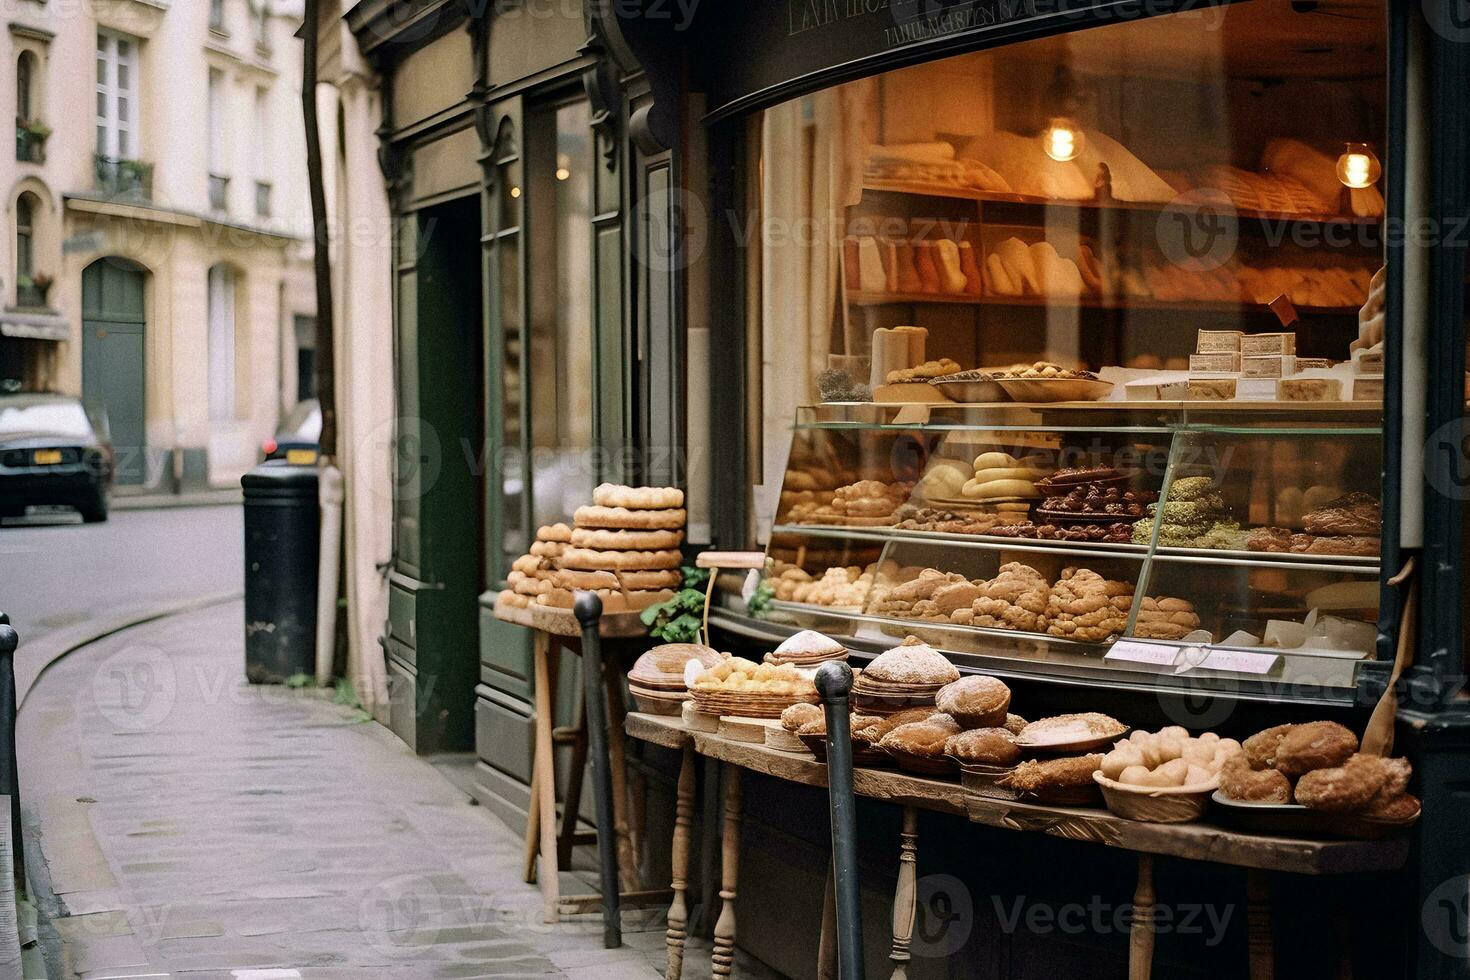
33, 658
169, 501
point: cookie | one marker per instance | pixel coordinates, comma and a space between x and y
568, 578
601, 540
654, 579
613, 560
622, 517
637, 498
554, 532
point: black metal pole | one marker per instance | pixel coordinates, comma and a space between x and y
588, 608
834, 681
9, 641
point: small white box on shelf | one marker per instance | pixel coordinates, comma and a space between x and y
1227, 363
1269, 365
1268, 343
1218, 341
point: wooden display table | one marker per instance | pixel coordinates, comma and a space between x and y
556, 629
1194, 841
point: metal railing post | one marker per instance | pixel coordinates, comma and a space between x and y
834, 681
9, 770
588, 608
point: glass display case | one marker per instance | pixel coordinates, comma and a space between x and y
1071, 354
1226, 548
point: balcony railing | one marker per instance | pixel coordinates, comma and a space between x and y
29, 296
262, 199
29, 147
118, 177
219, 192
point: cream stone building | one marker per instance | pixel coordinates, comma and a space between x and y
156, 258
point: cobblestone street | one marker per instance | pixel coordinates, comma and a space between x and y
184, 823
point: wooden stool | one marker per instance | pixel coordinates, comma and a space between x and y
548, 851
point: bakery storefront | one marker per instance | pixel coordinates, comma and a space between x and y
1096, 348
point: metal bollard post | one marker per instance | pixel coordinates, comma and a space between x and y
834, 681
9, 768
588, 608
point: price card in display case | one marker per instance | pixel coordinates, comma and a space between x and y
1159, 655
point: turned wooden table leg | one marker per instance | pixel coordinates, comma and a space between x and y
617, 713
533, 825
723, 959
1258, 925
906, 896
678, 929
545, 802
1141, 936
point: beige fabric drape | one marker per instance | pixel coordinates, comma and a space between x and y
363, 294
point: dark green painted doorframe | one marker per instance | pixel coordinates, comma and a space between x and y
114, 358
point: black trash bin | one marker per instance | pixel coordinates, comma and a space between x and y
282, 535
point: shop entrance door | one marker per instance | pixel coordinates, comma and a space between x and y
113, 375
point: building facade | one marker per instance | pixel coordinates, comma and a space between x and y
613, 256
154, 260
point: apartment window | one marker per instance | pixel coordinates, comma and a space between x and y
260, 13
217, 15
262, 153
117, 96
25, 68
25, 250
219, 182
30, 130
221, 342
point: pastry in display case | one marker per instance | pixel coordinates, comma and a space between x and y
1168, 546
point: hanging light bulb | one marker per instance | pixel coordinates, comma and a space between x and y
1062, 139
1358, 167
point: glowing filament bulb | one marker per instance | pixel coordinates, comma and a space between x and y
1061, 140
1358, 168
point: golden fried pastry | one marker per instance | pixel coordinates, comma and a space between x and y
873, 732
618, 518
1396, 773
922, 738
547, 549
602, 540
794, 717
1037, 775
987, 746
558, 533
1239, 781
617, 560
657, 578
1315, 745
977, 701
1015, 724
1260, 748
1393, 809
817, 726
567, 578
529, 564
1341, 789
637, 498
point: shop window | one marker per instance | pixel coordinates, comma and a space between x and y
559, 202
1147, 245
221, 342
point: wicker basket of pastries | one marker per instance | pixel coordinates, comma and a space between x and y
746, 689
1166, 776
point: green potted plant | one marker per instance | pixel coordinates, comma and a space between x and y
30, 139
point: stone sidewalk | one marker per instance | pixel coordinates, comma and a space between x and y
181, 822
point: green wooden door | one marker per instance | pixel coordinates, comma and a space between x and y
113, 374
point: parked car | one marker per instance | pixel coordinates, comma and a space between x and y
299, 439
53, 451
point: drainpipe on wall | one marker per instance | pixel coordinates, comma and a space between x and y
330, 482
